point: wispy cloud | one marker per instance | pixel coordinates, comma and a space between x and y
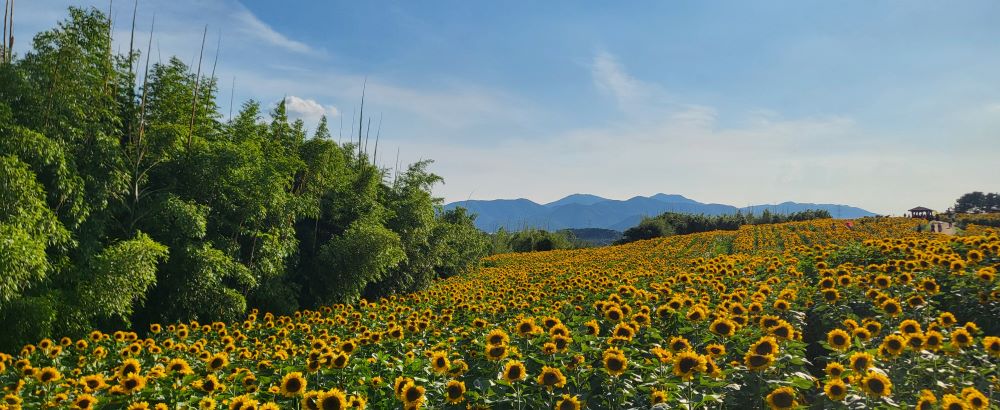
252, 26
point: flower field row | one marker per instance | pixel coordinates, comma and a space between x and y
818, 314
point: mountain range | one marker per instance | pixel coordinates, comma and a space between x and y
591, 211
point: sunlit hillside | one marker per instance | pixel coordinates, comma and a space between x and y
831, 314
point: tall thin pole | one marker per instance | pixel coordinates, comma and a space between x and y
361, 116
232, 93
131, 40
3, 43
197, 82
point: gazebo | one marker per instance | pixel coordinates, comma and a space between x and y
921, 212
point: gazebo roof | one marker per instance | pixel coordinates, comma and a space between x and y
921, 209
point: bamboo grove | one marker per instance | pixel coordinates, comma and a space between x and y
126, 199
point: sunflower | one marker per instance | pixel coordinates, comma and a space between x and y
915, 341
623, 332
93, 383
755, 361
413, 395
206, 403
48, 375
861, 361
838, 340
679, 344
211, 384
514, 371
947, 319
333, 399
551, 377
615, 362
783, 330
831, 295
526, 327
834, 369
84, 402
179, 366
909, 326
593, 328
876, 384
399, 384
439, 362
244, 402
992, 345
953, 402
961, 338
892, 307
454, 391
293, 384
142, 405
723, 327
782, 398
129, 366
132, 383
893, 345
497, 337
659, 397
926, 400
568, 402
715, 350
975, 398
835, 389
217, 362
686, 364
766, 345
496, 352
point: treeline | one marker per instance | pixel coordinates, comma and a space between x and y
672, 223
977, 203
126, 199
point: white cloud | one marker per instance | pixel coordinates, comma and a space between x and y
308, 110
252, 26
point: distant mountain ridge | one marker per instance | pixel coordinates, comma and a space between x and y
578, 211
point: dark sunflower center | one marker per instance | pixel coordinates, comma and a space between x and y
130, 384
758, 360
615, 364
783, 399
412, 394
686, 364
293, 385
876, 385
454, 391
514, 373
549, 379
839, 340
331, 403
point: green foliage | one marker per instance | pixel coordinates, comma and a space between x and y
102, 178
672, 223
978, 202
363, 254
120, 276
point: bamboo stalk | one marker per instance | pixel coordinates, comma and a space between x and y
197, 82
3, 42
361, 117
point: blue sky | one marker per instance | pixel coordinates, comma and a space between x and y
878, 104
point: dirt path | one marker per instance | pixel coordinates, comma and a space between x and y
943, 227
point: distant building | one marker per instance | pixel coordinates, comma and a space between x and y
921, 212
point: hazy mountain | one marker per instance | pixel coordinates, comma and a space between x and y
590, 211
582, 199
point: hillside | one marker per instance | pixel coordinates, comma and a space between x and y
612, 327
591, 211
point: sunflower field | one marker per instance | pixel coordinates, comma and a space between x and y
816, 314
